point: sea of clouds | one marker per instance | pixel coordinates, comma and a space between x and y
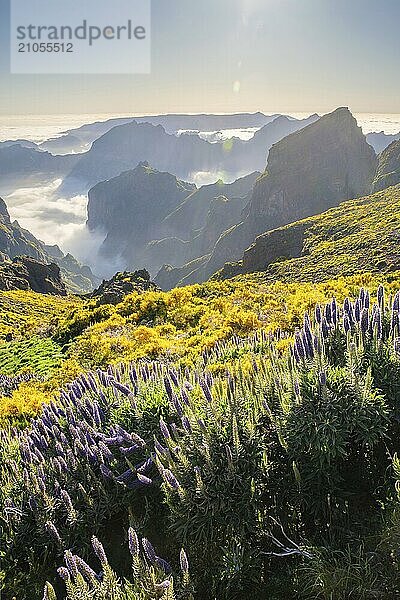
61, 221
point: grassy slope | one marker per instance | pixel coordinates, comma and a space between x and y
38, 355
23, 313
357, 236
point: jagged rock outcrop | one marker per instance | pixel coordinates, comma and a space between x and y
130, 210
112, 291
27, 273
16, 241
307, 172
388, 171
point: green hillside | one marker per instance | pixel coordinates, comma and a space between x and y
37, 355
357, 236
25, 312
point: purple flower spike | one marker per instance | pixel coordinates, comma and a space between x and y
322, 378
318, 314
168, 387
206, 392
164, 429
71, 563
84, 569
105, 471
143, 479
133, 542
186, 424
177, 405
64, 573
159, 447
170, 479
381, 295
364, 322
52, 530
163, 564
184, 561
99, 551
149, 551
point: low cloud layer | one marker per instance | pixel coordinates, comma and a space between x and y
59, 221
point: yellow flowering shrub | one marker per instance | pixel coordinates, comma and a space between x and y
24, 401
182, 323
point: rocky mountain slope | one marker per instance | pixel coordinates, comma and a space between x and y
16, 242
357, 236
388, 172
150, 217
130, 210
307, 172
114, 290
27, 273
20, 165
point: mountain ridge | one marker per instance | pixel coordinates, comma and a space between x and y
307, 172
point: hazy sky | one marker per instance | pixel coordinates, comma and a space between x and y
236, 55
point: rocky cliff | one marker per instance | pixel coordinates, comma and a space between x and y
112, 291
388, 172
151, 218
357, 236
27, 273
130, 210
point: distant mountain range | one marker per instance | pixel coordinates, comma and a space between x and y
120, 144
22, 165
78, 139
124, 146
380, 141
16, 242
142, 197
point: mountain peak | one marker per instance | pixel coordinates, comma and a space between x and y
4, 214
144, 164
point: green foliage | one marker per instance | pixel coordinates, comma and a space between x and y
274, 472
182, 323
358, 236
38, 355
151, 576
